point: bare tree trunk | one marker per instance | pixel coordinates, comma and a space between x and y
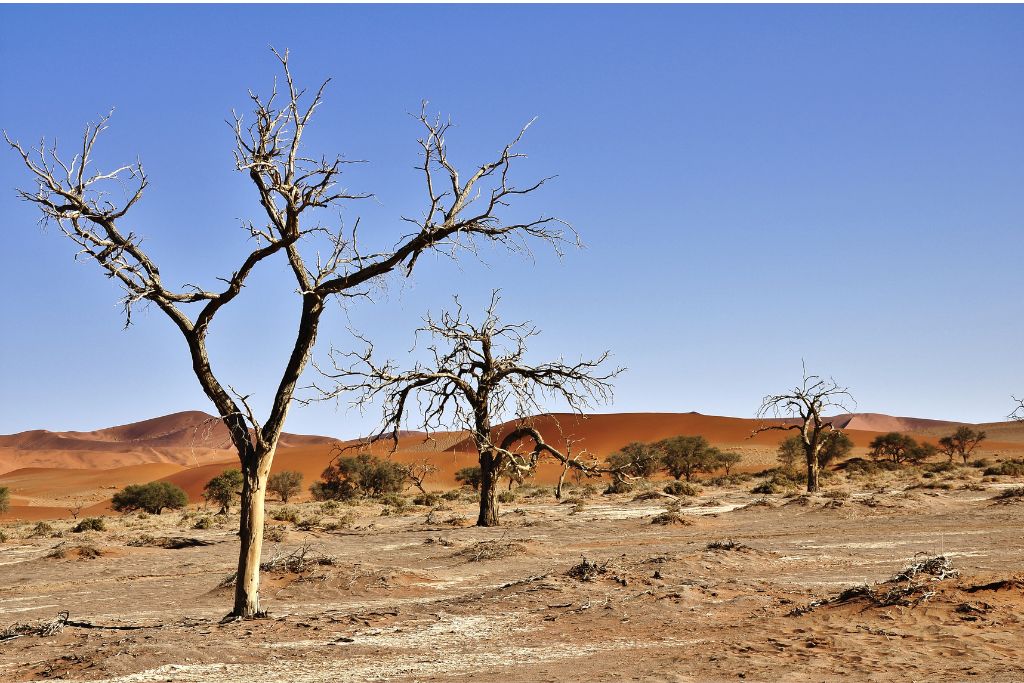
488, 491
256, 471
561, 479
812, 475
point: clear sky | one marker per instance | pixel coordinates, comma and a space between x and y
754, 185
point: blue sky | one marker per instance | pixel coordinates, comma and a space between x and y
755, 185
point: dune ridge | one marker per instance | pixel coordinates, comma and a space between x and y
48, 482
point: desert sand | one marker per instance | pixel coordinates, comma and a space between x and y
420, 596
735, 586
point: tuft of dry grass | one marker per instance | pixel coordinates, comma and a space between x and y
491, 550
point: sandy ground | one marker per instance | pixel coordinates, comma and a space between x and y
419, 596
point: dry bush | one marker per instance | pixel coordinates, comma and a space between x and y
1014, 495
90, 524
620, 486
908, 588
682, 488
670, 517
205, 522
586, 570
491, 550
167, 542
84, 552
727, 544
285, 514
308, 524
1010, 468
440, 540
45, 629
273, 533
41, 529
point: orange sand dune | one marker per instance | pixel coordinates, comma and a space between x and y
35, 490
65, 489
187, 438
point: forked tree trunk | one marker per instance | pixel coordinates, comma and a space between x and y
488, 491
255, 473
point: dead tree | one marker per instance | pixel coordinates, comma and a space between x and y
571, 462
802, 410
418, 472
294, 187
477, 375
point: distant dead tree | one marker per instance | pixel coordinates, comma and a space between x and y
963, 442
477, 374
802, 409
295, 189
417, 473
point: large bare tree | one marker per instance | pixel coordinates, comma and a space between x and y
803, 409
477, 375
294, 188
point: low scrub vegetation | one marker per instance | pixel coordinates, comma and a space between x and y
90, 524
152, 498
361, 475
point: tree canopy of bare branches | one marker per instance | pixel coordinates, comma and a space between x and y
803, 409
291, 185
477, 375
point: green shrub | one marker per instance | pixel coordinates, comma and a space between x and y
329, 507
3, 536
5, 499
507, 497
454, 494
90, 524
469, 476
981, 463
152, 498
767, 486
203, 523
285, 484
360, 475
223, 489
637, 459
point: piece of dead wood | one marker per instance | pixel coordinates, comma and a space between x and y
168, 542
54, 626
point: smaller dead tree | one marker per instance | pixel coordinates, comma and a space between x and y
568, 464
803, 409
477, 375
418, 472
